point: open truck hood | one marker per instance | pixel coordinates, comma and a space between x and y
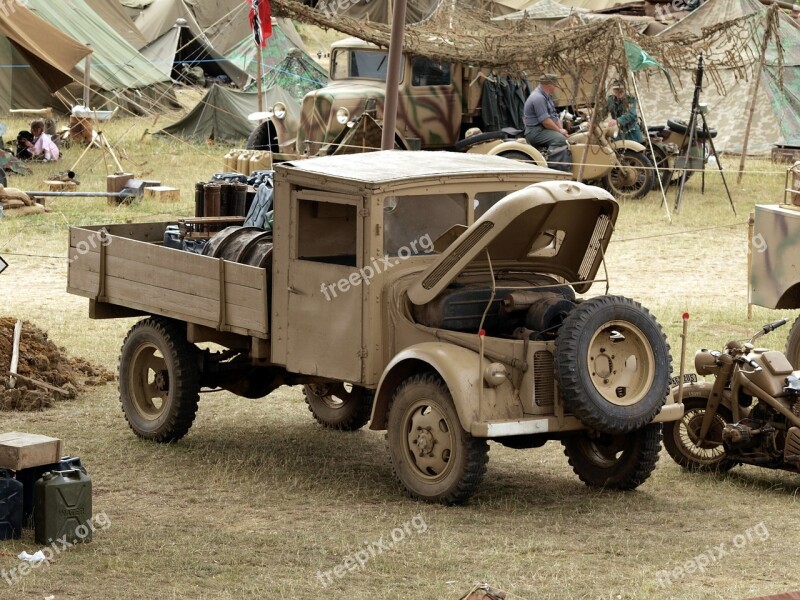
557, 227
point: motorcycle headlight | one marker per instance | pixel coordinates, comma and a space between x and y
343, 116
279, 110
705, 362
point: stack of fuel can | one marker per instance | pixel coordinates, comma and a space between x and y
220, 199
55, 500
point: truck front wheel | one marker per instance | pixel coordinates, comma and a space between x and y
339, 405
619, 462
159, 380
432, 457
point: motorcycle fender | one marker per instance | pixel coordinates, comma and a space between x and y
628, 145
532, 152
484, 147
702, 389
460, 368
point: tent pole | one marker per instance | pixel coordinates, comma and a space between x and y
87, 79
756, 80
393, 74
260, 76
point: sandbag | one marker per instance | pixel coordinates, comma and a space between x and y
11, 203
36, 209
15, 194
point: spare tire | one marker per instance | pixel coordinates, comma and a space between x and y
612, 364
263, 137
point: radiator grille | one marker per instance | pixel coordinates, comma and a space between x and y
589, 258
442, 269
543, 379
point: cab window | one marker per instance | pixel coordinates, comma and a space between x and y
364, 64
425, 71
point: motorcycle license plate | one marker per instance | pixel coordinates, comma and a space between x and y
687, 378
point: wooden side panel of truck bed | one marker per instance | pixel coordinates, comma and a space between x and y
131, 268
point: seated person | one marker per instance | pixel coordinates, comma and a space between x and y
23, 139
543, 129
43, 147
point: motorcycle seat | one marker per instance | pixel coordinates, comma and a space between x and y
678, 126
655, 129
792, 386
482, 137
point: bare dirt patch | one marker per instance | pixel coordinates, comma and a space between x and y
44, 361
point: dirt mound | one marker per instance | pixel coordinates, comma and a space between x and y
41, 359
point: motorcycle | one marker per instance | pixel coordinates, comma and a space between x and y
670, 143
620, 166
750, 414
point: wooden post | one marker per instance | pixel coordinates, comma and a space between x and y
87, 80
260, 76
598, 95
751, 223
12, 380
771, 11
393, 74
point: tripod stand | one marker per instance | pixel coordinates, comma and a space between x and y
688, 162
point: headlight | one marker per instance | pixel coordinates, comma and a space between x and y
343, 116
279, 110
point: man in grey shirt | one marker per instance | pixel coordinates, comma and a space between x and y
543, 128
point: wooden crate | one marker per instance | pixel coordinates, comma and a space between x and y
61, 186
162, 193
22, 450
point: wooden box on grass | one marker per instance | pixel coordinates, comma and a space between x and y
162, 193
22, 450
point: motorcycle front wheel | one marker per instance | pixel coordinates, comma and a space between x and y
681, 437
633, 179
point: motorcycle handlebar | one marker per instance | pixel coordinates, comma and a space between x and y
773, 326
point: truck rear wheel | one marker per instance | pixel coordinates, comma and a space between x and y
338, 405
793, 345
619, 462
612, 364
159, 380
432, 457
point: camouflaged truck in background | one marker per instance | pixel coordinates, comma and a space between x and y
775, 267
438, 101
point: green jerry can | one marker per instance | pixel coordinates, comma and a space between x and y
62, 507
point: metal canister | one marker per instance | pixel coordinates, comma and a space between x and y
63, 507
226, 199
240, 199
10, 506
199, 193
211, 200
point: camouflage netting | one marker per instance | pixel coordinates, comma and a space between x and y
41, 359
457, 33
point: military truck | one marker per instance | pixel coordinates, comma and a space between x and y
775, 266
432, 294
437, 102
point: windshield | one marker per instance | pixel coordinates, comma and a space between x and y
365, 64
412, 223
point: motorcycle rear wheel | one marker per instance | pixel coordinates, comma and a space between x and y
680, 437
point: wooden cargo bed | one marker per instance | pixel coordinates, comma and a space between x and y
130, 267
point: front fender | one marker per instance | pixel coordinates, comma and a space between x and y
702, 389
628, 145
514, 145
459, 367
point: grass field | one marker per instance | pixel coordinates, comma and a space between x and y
258, 501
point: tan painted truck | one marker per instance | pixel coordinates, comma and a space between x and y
434, 294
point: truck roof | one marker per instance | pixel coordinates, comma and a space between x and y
387, 166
